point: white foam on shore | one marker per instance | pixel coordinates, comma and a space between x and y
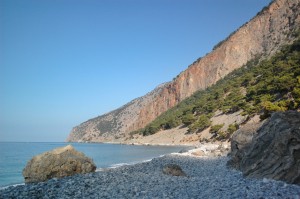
114, 166
118, 165
14, 185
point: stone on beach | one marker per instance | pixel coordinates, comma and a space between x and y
173, 169
198, 153
58, 163
275, 151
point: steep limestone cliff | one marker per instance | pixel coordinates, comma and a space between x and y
262, 36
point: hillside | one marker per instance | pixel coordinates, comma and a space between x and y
261, 37
257, 89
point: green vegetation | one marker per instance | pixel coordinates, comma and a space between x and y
232, 128
218, 134
259, 87
188, 119
200, 124
216, 131
215, 128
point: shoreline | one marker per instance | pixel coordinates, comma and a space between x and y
13, 185
138, 143
207, 177
190, 150
104, 167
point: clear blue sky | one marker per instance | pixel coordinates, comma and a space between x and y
63, 62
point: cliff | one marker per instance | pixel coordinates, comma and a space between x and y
262, 36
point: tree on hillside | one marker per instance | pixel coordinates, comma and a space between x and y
188, 119
202, 123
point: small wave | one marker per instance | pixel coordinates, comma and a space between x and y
118, 165
14, 185
113, 166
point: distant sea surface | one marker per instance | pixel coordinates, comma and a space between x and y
15, 155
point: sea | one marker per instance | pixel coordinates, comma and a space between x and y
15, 155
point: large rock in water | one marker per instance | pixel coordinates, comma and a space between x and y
60, 162
275, 151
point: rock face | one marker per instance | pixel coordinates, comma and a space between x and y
275, 151
241, 140
60, 162
262, 36
173, 169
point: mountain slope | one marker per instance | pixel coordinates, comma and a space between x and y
258, 88
262, 36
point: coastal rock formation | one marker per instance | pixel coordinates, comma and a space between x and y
173, 169
262, 36
60, 162
275, 150
241, 141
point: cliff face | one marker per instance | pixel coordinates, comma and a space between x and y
262, 36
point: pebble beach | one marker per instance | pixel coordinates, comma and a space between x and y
207, 177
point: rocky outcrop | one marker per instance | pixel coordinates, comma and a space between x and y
275, 151
241, 140
262, 36
60, 162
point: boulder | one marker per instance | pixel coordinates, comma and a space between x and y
58, 163
241, 141
173, 169
274, 152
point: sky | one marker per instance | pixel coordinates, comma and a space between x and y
63, 62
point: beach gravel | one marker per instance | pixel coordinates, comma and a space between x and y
206, 177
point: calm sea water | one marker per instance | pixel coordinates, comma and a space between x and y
15, 155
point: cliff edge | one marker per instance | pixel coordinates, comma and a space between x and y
262, 36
